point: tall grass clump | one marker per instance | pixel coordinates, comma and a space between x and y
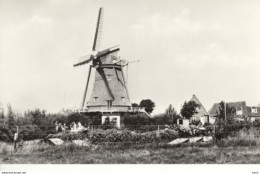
245, 137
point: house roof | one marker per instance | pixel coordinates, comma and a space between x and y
215, 108
201, 111
196, 100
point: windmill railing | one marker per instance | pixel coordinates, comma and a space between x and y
106, 109
136, 109
98, 109
112, 109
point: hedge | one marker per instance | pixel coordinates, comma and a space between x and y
114, 136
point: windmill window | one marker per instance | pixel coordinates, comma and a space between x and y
95, 99
109, 76
123, 98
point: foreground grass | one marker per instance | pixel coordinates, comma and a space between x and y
34, 153
244, 149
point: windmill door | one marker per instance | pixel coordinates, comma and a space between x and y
109, 104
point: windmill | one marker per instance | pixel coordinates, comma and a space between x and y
110, 92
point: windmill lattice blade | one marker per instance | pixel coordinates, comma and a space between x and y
86, 88
98, 34
83, 60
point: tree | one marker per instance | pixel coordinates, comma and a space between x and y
189, 109
10, 116
222, 128
148, 105
37, 116
170, 110
171, 114
2, 115
230, 111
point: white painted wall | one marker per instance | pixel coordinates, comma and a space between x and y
239, 112
185, 123
212, 120
111, 118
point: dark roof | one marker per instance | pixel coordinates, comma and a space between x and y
238, 105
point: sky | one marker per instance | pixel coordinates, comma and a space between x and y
207, 48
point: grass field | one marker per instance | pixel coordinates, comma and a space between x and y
233, 151
243, 149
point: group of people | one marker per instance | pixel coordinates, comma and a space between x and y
73, 126
76, 127
59, 127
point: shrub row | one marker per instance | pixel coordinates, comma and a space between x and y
68, 136
112, 135
115, 136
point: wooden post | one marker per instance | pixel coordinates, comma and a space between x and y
15, 138
225, 111
158, 131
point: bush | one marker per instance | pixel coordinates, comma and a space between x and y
5, 135
31, 132
163, 119
69, 136
240, 142
141, 128
136, 119
77, 117
113, 135
196, 122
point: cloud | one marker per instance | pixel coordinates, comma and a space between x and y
188, 41
161, 24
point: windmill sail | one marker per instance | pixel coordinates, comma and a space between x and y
86, 88
83, 60
99, 27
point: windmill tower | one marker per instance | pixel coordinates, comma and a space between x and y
110, 94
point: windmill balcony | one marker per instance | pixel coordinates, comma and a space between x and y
111, 109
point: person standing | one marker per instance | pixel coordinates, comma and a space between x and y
56, 126
75, 126
72, 126
65, 127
